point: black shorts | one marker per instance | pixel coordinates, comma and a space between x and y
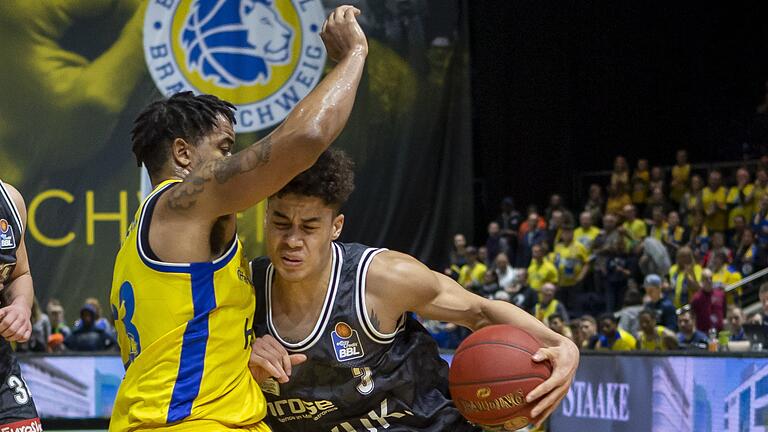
17, 409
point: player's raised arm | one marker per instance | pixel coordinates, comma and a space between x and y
410, 286
15, 324
236, 182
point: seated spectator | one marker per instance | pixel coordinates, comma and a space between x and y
620, 174
588, 332
509, 223
554, 226
557, 325
639, 195
740, 198
680, 174
698, 239
717, 245
87, 336
521, 295
594, 204
632, 224
548, 305
708, 304
504, 271
691, 204
688, 338
658, 223
640, 179
734, 238
761, 189
490, 285
99, 321
713, 202
662, 306
724, 275
586, 233
572, 262
760, 225
56, 316
653, 337
684, 276
458, 256
532, 231
495, 244
657, 199
541, 270
763, 296
628, 314
676, 235
612, 337
41, 331
617, 199
735, 319
472, 273
482, 255
746, 253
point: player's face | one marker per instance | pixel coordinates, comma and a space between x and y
216, 144
299, 232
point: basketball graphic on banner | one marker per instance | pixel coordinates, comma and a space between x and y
262, 55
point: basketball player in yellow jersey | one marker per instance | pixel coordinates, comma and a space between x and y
181, 295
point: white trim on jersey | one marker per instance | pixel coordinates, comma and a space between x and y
325, 312
14, 210
139, 243
362, 309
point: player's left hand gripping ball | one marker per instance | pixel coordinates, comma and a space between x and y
565, 360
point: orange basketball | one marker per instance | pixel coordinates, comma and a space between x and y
491, 374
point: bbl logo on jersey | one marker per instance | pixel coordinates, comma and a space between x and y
346, 343
264, 56
7, 241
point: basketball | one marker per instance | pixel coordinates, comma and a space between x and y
491, 374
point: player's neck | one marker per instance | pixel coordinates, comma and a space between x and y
304, 293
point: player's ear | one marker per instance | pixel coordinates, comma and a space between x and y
338, 225
181, 152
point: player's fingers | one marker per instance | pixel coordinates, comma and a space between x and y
282, 353
266, 365
5, 322
350, 13
297, 359
266, 351
12, 331
543, 417
547, 403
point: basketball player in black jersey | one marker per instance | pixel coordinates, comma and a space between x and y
17, 410
336, 350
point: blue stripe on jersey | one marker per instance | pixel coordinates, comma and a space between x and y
194, 343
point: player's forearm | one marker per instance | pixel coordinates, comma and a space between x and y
20, 291
320, 117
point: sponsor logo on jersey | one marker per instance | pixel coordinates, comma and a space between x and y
346, 343
7, 241
270, 386
5, 271
298, 409
30, 425
264, 56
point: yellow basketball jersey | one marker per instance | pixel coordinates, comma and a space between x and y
184, 331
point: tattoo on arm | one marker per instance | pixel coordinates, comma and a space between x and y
375, 321
184, 196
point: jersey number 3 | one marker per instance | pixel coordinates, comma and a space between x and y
366, 379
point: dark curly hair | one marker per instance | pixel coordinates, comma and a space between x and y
331, 178
182, 115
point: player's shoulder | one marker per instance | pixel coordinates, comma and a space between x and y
13, 193
390, 269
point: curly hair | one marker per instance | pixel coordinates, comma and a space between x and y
182, 115
331, 179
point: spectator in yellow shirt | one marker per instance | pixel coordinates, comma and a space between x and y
675, 235
473, 272
617, 198
595, 202
541, 269
620, 174
612, 337
548, 304
653, 337
692, 200
572, 262
684, 277
586, 233
659, 224
724, 275
635, 227
680, 173
761, 189
640, 179
740, 198
713, 201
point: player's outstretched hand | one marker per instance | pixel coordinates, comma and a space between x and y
342, 34
564, 359
270, 359
15, 324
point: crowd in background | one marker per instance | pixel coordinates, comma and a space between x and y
51, 334
649, 254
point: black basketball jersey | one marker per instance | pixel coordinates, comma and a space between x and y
355, 377
11, 230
